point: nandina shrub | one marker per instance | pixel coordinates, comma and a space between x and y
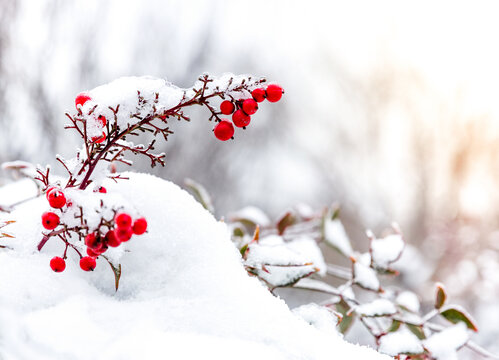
107, 118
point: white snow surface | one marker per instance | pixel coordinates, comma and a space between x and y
378, 307
444, 345
386, 250
183, 294
401, 342
365, 276
336, 236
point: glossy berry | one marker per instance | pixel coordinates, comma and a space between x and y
57, 264
123, 234
101, 189
227, 107
139, 226
274, 93
123, 220
111, 239
50, 220
81, 99
56, 199
259, 94
250, 106
101, 250
93, 241
102, 120
92, 253
99, 139
224, 130
240, 119
88, 263
49, 189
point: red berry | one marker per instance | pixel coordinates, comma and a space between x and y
240, 119
81, 99
57, 264
88, 263
123, 233
101, 250
123, 220
227, 107
224, 130
102, 120
274, 93
250, 106
101, 189
93, 241
139, 226
258, 94
49, 189
112, 240
91, 253
99, 139
56, 199
50, 220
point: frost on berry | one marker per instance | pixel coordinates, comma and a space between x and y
56, 199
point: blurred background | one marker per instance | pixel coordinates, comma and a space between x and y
390, 110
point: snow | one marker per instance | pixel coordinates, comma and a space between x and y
183, 293
443, 345
365, 277
401, 342
280, 263
336, 236
386, 250
319, 317
408, 300
252, 214
378, 307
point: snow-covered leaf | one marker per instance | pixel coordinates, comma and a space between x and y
200, 194
250, 215
400, 342
386, 250
365, 277
443, 345
335, 235
456, 314
408, 301
378, 307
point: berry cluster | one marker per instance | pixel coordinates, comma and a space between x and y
107, 118
100, 120
241, 110
119, 230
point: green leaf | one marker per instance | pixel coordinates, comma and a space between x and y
394, 326
440, 297
243, 250
343, 308
287, 220
200, 194
417, 330
238, 232
455, 315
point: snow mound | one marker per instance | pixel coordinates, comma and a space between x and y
183, 294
